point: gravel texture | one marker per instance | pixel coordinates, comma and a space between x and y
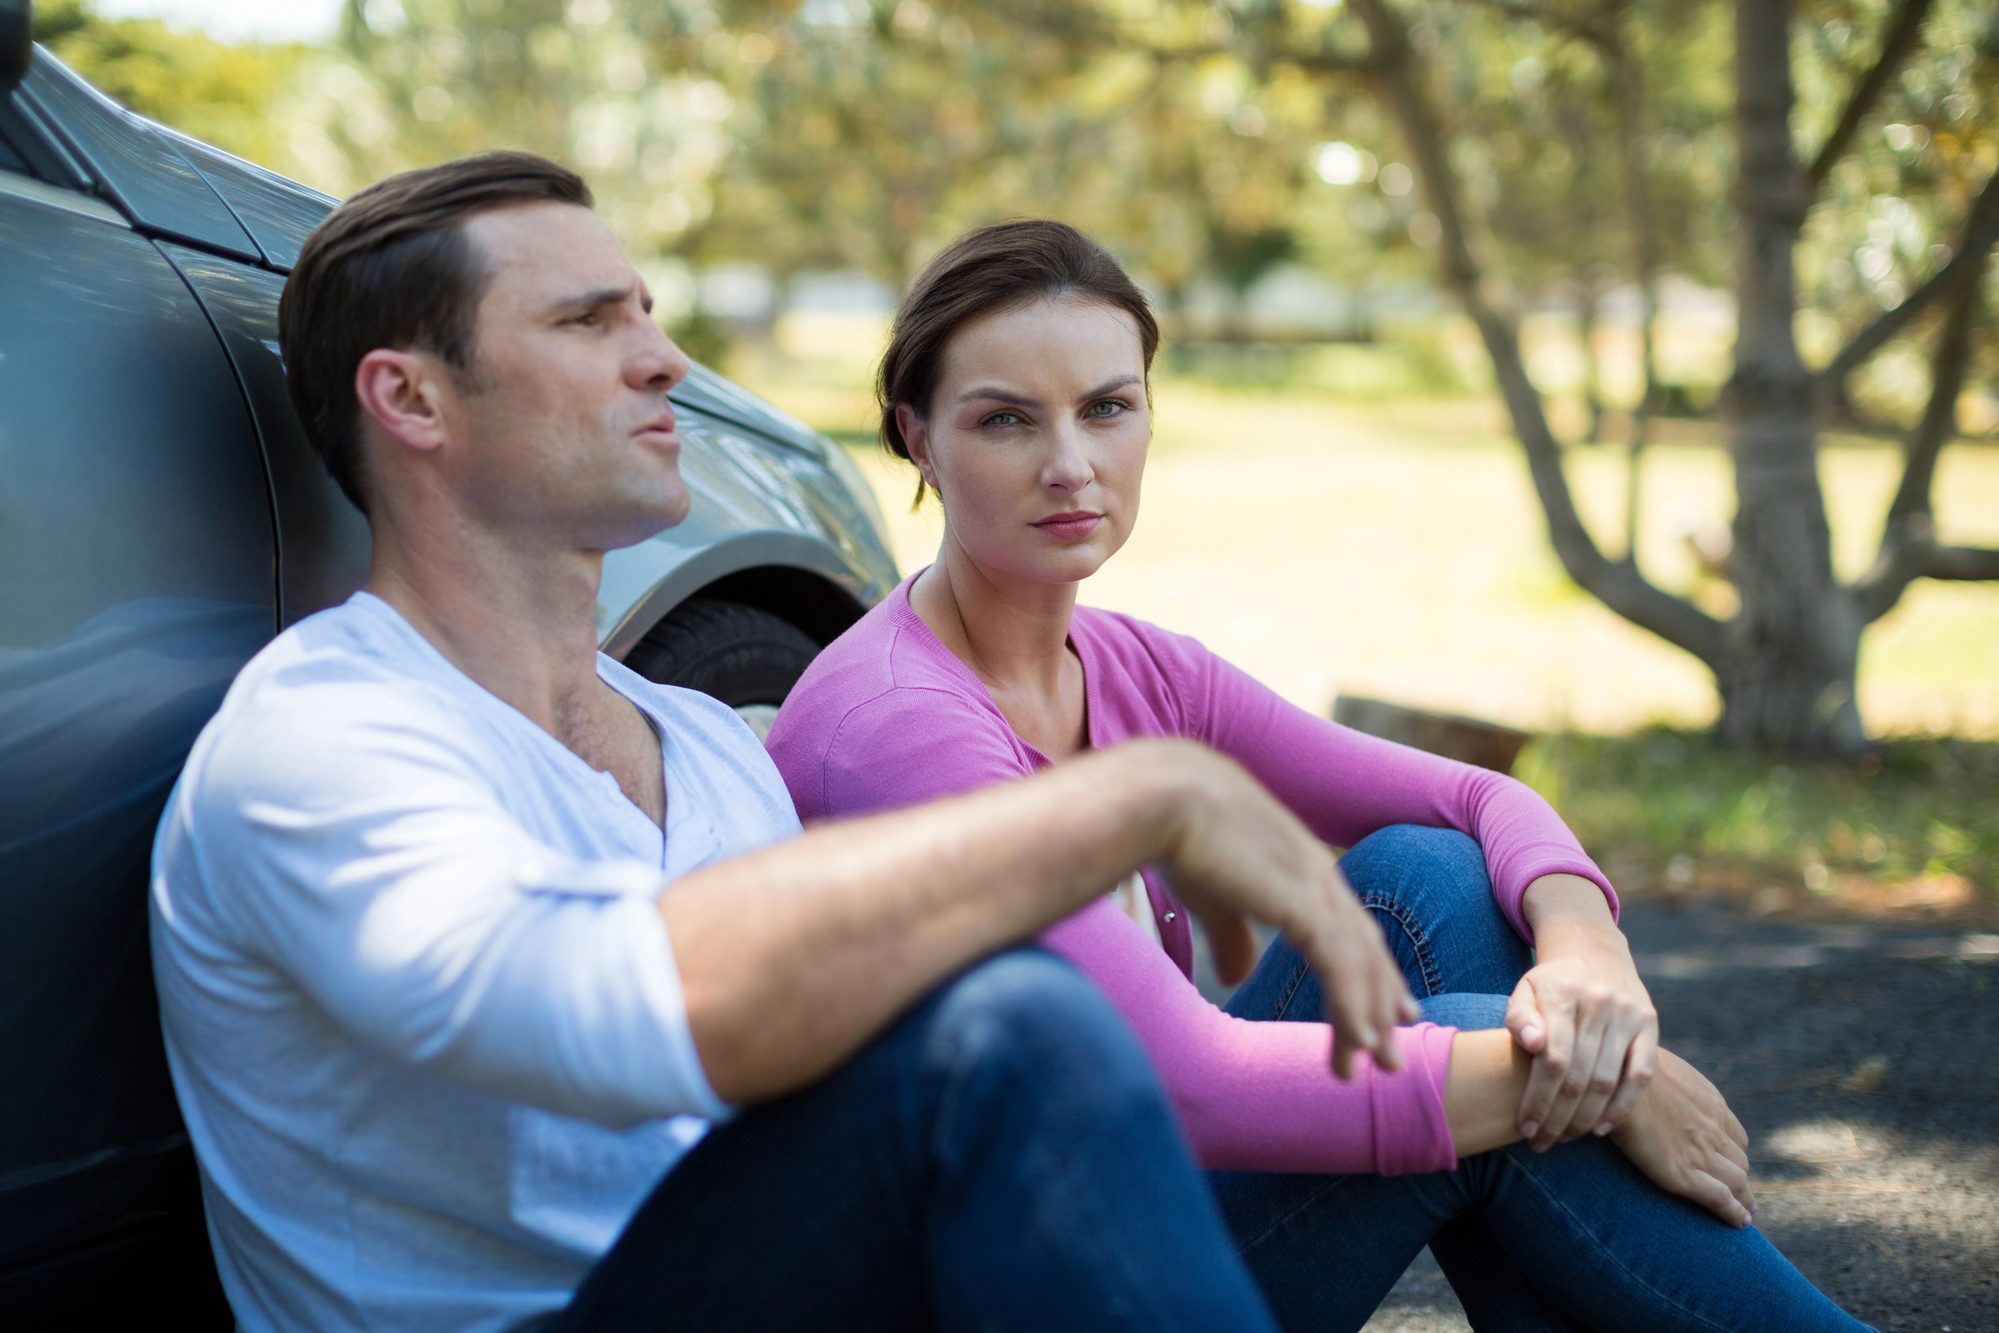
1864, 1061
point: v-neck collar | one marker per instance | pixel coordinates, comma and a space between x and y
560, 754
1084, 655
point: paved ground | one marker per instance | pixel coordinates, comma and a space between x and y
1865, 1064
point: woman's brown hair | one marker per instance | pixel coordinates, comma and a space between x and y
998, 267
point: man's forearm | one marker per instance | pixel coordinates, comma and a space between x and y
792, 957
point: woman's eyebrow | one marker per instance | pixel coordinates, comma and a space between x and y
1112, 386
998, 395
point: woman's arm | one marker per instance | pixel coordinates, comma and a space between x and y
1256, 1096
1681, 1133
1582, 1010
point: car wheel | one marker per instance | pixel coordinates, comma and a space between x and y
744, 656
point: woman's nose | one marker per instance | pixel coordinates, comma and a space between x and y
1068, 467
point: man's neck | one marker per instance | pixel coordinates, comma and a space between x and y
518, 621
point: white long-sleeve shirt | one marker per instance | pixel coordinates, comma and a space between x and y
422, 1014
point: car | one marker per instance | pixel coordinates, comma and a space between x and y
161, 518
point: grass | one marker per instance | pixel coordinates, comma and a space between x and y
1911, 829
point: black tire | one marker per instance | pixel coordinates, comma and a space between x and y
739, 654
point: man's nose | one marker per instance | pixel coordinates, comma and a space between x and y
658, 363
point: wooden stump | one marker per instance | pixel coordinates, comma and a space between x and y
1466, 739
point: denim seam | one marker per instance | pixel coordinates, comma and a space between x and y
1394, 909
1562, 1206
1298, 975
1327, 1186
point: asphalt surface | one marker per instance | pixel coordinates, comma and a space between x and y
1864, 1062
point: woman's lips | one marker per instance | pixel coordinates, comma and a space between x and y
1072, 526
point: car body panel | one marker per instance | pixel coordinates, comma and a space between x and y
136, 548
278, 213
149, 179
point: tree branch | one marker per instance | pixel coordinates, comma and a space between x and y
1904, 31
1970, 563
1393, 79
1909, 548
1981, 231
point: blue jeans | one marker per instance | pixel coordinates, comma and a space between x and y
1572, 1238
1001, 1158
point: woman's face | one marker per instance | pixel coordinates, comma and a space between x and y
1037, 437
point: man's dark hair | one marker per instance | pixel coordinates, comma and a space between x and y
392, 267
999, 267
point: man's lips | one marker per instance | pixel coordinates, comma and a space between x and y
1072, 526
661, 427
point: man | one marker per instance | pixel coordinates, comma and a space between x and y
465, 935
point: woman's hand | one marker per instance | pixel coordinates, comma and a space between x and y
1685, 1138
1583, 1014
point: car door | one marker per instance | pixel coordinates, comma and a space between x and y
136, 577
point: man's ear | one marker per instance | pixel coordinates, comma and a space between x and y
401, 391
916, 438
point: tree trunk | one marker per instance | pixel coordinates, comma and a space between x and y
1787, 669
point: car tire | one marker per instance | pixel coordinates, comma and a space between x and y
742, 655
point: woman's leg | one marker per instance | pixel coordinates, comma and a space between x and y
1570, 1238
1429, 889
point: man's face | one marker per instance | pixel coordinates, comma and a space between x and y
563, 427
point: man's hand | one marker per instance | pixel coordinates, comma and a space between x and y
1236, 853
1685, 1138
1583, 1014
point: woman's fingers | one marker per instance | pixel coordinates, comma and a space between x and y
1576, 1088
1639, 1066
1524, 1020
1717, 1198
1604, 1079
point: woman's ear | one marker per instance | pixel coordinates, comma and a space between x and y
916, 439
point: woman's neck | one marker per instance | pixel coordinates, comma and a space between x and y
1013, 634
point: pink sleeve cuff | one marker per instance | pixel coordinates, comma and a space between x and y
1411, 1132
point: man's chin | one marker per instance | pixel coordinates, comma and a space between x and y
644, 522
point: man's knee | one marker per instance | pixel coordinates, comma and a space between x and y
1028, 1021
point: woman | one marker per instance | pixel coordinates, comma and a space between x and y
1016, 382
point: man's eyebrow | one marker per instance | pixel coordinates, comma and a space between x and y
598, 296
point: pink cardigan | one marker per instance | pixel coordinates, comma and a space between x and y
888, 717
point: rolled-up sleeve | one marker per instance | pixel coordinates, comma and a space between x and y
387, 880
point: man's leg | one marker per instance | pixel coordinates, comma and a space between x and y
1002, 1158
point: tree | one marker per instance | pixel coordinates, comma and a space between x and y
1785, 663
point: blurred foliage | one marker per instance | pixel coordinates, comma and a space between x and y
223, 94
1913, 807
1191, 136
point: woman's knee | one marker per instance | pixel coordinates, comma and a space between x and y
1403, 856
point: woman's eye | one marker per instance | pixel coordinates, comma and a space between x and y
1109, 407
1003, 419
